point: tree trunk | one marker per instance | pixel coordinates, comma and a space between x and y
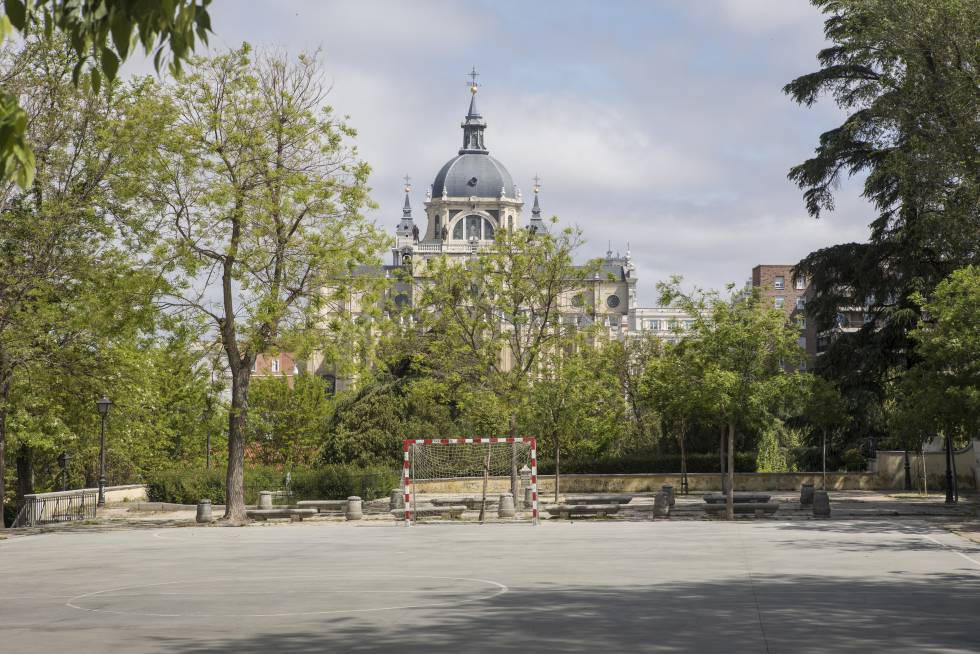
235, 479
681, 439
5, 377
721, 448
25, 472
730, 497
557, 468
514, 479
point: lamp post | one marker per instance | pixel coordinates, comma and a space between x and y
103, 404
63, 460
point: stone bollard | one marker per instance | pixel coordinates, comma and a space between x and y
821, 504
661, 505
668, 490
204, 511
806, 494
505, 508
528, 498
397, 500
353, 508
265, 499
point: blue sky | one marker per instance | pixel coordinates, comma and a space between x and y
658, 123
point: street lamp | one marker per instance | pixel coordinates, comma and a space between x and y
103, 404
63, 460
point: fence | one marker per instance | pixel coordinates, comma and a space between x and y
60, 507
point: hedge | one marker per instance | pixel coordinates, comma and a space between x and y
330, 482
655, 463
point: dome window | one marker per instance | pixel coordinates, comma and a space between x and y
473, 181
612, 301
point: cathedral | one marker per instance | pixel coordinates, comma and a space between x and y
472, 197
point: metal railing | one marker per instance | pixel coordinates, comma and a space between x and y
63, 507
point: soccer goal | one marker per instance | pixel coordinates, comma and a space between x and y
483, 468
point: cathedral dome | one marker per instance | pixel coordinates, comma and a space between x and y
473, 174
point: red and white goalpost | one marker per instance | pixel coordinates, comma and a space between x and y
449, 458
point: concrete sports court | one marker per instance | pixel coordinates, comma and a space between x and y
594, 586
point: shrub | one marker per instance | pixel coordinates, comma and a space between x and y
329, 482
854, 461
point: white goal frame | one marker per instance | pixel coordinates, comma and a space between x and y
408, 481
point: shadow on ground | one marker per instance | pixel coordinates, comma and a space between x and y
800, 614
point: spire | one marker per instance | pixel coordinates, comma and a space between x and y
473, 125
407, 209
537, 225
407, 226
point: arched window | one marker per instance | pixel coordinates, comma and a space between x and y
458, 230
473, 227
487, 230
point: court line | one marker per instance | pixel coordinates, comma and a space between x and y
501, 589
946, 547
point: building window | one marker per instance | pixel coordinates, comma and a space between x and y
612, 301
275, 365
778, 301
800, 282
487, 230
800, 303
473, 227
295, 369
653, 324
458, 231
688, 324
779, 282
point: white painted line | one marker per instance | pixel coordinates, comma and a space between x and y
500, 590
945, 546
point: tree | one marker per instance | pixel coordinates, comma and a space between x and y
68, 283
101, 34
260, 195
826, 413
906, 73
289, 420
940, 394
746, 355
499, 312
576, 405
673, 385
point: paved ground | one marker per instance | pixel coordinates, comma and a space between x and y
768, 586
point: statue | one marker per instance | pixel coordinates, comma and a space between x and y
445, 233
415, 233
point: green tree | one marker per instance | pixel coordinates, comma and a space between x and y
101, 34
261, 196
906, 74
577, 406
289, 420
68, 281
940, 394
498, 313
826, 413
746, 355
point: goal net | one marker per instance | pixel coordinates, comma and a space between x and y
467, 478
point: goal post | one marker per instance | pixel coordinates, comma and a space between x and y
476, 459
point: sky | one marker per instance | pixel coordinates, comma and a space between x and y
657, 124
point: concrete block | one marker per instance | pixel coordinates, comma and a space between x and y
506, 506
354, 511
265, 499
821, 504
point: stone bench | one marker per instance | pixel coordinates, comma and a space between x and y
740, 498
758, 508
292, 514
471, 503
568, 511
451, 512
324, 506
598, 499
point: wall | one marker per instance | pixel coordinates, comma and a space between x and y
890, 467
645, 483
130, 493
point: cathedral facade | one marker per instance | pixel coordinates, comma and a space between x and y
471, 198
